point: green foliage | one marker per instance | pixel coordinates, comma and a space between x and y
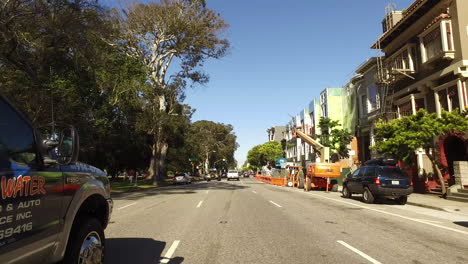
73, 57
400, 138
265, 154
212, 141
61, 56
335, 138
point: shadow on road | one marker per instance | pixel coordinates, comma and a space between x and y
182, 189
379, 200
464, 224
136, 251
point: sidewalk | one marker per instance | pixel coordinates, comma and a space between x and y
438, 203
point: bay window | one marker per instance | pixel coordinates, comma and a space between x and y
436, 42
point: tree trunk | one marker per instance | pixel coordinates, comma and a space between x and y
161, 170
152, 167
438, 171
207, 163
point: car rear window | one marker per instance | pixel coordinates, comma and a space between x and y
179, 174
392, 172
232, 171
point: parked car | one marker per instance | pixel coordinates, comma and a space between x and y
182, 178
379, 178
233, 174
62, 206
246, 175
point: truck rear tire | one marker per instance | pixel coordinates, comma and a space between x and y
86, 242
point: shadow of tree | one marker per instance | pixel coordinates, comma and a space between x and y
181, 189
136, 251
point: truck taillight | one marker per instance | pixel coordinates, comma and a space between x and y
377, 181
411, 183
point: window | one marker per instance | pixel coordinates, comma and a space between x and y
406, 109
392, 172
356, 173
373, 97
370, 172
364, 105
453, 97
420, 104
16, 138
432, 43
437, 41
443, 99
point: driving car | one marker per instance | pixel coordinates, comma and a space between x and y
182, 178
379, 178
233, 175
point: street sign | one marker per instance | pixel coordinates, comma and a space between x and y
192, 159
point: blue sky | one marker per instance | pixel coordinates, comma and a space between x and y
283, 54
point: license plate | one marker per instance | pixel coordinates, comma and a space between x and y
395, 182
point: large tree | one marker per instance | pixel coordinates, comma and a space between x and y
400, 138
337, 139
57, 65
265, 154
210, 141
158, 34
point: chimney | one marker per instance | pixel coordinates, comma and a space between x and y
391, 19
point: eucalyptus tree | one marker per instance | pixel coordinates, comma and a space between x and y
172, 38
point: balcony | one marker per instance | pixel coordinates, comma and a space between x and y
399, 65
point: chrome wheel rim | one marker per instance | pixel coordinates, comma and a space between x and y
91, 251
345, 191
366, 195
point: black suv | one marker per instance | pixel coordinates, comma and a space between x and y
378, 178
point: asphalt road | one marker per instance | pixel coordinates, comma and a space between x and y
252, 222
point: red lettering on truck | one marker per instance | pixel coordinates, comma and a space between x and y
22, 186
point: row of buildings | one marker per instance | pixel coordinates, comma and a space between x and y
422, 63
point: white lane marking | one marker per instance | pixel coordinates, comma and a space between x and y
430, 221
170, 252
360, 253
254, 191
125, 206
275, 204
397, 215
199, 204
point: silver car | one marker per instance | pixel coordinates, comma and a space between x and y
183, 178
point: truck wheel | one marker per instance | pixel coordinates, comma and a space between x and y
86, 242
346, 193
402, 200
367, 196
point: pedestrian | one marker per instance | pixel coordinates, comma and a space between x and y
125, 174
131, 173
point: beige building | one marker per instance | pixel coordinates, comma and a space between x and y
425, 65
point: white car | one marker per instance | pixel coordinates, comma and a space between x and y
182, 178
233, 174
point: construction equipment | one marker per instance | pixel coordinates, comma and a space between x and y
294, 179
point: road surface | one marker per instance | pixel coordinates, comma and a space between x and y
252, 222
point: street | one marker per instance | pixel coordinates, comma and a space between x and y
248, 221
